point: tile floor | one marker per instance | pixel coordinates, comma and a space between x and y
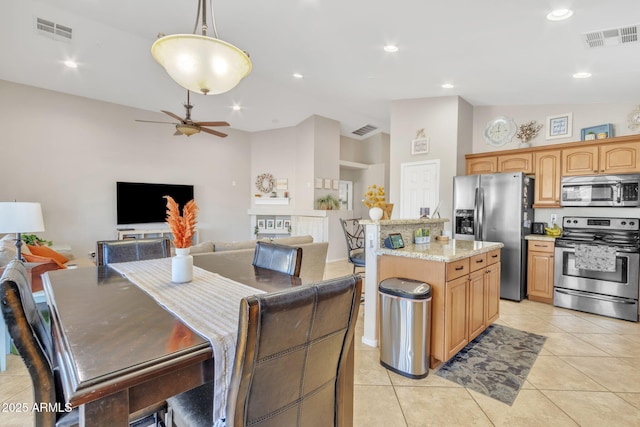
588, 374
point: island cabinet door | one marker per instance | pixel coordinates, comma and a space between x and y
476, 303
492, 292
456, 324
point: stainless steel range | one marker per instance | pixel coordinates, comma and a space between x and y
596, 266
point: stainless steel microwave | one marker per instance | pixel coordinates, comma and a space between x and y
600, 190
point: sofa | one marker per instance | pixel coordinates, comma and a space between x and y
314, 255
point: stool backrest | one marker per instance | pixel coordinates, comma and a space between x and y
282, 258
110, 251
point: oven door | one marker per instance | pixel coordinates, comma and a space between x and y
623, 282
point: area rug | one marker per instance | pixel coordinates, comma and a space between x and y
495, 363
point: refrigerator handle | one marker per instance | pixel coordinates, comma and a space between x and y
477, 206
481, 215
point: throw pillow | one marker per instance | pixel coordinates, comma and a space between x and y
37, 258
6, 256
8, 242
47, 252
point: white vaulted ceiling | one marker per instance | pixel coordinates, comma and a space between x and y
495, 52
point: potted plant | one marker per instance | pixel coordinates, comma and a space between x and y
327, 203
421, 236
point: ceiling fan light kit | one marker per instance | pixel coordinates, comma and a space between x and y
200, 63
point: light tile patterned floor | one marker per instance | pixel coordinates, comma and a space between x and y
588, 374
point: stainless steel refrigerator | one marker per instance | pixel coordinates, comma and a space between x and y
497, 208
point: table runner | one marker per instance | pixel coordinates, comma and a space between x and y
209, 304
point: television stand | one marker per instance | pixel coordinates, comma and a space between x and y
149, 233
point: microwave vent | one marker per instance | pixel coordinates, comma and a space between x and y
612, 37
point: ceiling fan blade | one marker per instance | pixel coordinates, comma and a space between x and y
212, 123
151, 121
175, 116
214, 132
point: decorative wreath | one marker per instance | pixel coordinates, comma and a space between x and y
264, 183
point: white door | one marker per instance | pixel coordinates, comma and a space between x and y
419, 187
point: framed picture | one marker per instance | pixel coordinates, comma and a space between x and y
596, 132
420, 146
278, 224
336, 184
282, 184
261, 223
270, 224
559, 126
318, 183
327, 183
286, 224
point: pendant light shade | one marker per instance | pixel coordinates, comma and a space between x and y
200, 63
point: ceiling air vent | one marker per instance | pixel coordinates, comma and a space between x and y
51, 29
364, 130
612, 37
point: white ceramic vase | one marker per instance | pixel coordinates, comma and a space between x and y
375, 213
182, 266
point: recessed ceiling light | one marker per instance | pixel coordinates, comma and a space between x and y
559, 14
391, 48
582, 75
236, 107
71, 64
298, 75
447, 86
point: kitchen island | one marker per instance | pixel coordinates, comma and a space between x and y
465, 282
464, 276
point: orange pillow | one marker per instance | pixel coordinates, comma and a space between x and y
38, 258
47, 252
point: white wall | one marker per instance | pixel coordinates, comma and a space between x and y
67, 153
444, 120
584, 115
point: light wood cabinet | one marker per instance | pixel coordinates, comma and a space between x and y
456, 333
540, 270
465, 296
547, 179
521, 162
601, 159
482, 165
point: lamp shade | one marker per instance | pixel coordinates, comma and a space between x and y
21, 217
201, 64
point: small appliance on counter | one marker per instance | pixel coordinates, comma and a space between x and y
538, 227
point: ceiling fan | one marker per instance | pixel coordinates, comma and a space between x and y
189, 127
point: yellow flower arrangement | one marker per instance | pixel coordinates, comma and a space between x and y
182, 227
374, 196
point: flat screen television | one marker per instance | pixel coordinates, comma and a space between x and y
140, 203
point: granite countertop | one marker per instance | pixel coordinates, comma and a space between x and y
404, 221
451, 250
542, 237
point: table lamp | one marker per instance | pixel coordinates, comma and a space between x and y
20, 217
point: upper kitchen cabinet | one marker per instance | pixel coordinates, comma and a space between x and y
521, 162
547, 180
623, 157
482, 165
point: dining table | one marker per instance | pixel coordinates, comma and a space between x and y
119, 350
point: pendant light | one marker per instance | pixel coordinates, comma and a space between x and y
200, 63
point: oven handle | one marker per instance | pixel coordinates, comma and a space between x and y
594, 296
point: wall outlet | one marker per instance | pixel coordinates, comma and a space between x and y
554, 218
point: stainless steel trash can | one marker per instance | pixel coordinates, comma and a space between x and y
405, 326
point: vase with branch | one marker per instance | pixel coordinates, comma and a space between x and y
527, 132
183, 229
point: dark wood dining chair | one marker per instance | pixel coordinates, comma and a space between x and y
291, 349
282, 258
32, 338
354, 236
110, 251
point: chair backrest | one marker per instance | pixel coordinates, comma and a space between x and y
282, 258
110, 251
353, 233
290, 352
31, 337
